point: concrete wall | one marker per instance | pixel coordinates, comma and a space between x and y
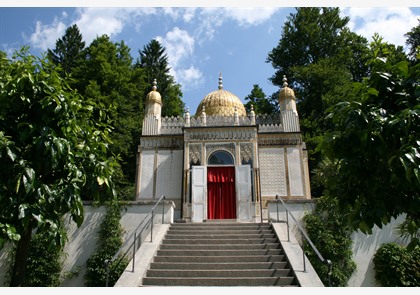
364, 246
82, 241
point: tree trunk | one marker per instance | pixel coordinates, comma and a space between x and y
21, 258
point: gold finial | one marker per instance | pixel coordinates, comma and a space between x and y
220, 81
154, 85
285, 81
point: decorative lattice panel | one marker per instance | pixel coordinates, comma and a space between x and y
169, 174
272, 172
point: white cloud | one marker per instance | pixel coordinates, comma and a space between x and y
390, 23
250, 16
178, 43
188, 14
190, 78
179, 46
211, 18
45, 36
94, 22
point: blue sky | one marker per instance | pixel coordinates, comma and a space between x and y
200, 42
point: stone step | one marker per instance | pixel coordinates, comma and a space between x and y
221, 282
170, 235
220, 225
211, 273
220, 254
204, 246
249, 252
220, 231
175, 240
220, 259
218, 265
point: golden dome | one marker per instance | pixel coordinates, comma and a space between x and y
154, 96
286, 92
221, 103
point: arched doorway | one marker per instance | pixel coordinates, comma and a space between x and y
221, 194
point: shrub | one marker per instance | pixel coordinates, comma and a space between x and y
395, 266
331, 235
110, 240
44, 262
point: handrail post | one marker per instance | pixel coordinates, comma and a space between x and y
151, 226
163, 211
277, 207
303, 252
134, 251
107, 272
288, 227
329, 266
260, 197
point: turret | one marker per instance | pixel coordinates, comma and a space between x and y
152, 119
288, 111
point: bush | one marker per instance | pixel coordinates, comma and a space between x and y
110, 240
331, 235
395, 266
44, 262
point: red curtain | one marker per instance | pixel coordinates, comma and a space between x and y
221, 197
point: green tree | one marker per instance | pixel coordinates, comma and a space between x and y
54, 151
374, 145
260, 102
320, 58
413, 41
153, 59
114, 83
68, 51
307, 37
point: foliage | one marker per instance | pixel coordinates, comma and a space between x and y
309, 35
395, 266
409, 230
69, 51
110, 240
260, 102
54, 150
320, 58
330, 234
114, 82
44, 262
413, 41
154, 61
374, 145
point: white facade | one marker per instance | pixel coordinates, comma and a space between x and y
267, 153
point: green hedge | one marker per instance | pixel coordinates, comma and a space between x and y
110, 240
395, 266
331, 235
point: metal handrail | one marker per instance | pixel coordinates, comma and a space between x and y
148, 220
304, 235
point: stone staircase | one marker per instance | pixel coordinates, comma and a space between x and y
220, 254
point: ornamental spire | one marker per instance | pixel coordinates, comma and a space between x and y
220, 81
154, 85
285, 84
